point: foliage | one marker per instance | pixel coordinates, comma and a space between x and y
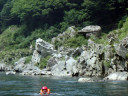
43, 62
76, 16
10, 56
126, 56
39, 13
120, 33
6, 39
107, 63
76, 41
28, 59
121, 22
13, 37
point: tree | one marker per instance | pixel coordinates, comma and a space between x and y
5, 15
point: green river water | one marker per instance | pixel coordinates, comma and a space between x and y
18, 85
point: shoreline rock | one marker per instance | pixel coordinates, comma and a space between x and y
85, 79
10, 73
117, 76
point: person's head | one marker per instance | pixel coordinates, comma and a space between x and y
44, 89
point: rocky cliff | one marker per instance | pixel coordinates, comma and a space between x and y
92, 59
89, 60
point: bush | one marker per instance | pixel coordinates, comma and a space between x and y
15, 60
107, 63
11, 55
43, 62
126, 56
121, 22
28, 59
76, 41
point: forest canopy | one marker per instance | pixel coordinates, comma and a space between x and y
50, 17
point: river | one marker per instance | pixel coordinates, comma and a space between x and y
18, 85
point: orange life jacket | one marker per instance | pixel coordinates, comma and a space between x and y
47, 92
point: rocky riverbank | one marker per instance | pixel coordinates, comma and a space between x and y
89, 60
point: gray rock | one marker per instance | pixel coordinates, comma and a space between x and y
54, 60
71, 66
42, 49
36, 57
46, 72
19, 65
122, 47
117, 76
77, 52
4, 67
59, 69
92, 62
72, 31
108, 52
91, 30
10, 73
85, 80
65, 68
120, 50
124, 42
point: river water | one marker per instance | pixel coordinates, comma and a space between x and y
18, 85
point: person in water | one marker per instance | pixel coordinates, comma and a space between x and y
44, 91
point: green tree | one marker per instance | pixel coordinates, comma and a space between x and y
5, 15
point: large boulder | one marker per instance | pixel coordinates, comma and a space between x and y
117, 76
10, 73
42, 49
91, 30
121, 50
85, 80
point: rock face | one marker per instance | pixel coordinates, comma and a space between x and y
117, 76
42, 49
89, 60
4, 67
26, 69
20, 65
92, 60
122, 48
91, 30
65, 68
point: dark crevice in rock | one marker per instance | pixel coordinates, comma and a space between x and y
75, 75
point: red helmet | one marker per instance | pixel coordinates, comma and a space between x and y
44, 88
